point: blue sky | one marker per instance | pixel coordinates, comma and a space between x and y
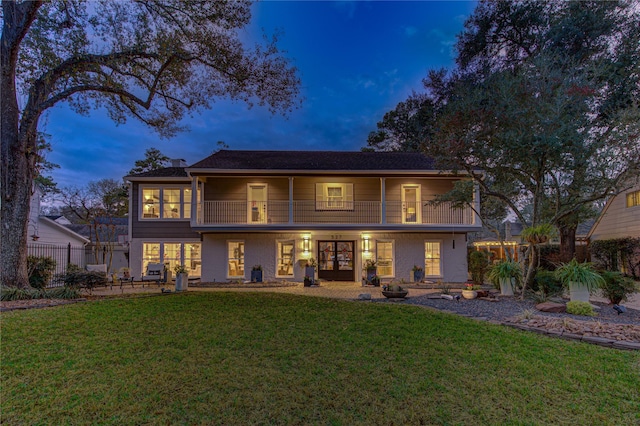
356, 60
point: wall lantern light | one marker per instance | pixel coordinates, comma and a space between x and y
306, 244
366, 244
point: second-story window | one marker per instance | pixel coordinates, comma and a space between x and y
633, 199
166, 203
334, 196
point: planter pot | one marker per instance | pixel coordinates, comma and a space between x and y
395, 294
418, 276
469, 294
310, 271
506, 287
307, 283
578, 292
182, 282
256, 276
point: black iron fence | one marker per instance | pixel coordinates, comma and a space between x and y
63, 255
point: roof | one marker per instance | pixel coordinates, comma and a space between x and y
169, 172
315, 160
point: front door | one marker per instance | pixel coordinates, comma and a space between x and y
257, 203
335, 260
411, 204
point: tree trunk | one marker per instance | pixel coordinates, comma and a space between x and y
532, 256
567, 243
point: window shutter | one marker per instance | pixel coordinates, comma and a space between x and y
348, 205
320, 196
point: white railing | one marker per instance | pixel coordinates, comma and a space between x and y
330, 212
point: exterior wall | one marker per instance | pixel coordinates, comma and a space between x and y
260, 248
156, 228
135, 251
235, 189
618, 221
429, 187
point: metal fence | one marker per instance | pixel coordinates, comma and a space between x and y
63, 255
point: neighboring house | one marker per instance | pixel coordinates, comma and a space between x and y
114, 233
236, 209
47, 236
620, 217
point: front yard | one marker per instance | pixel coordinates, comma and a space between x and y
232, 358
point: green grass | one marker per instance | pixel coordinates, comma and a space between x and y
230, 358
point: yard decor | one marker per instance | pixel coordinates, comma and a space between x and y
580, 278
256, 274
182, 277
505, 276
394, 291
418, 273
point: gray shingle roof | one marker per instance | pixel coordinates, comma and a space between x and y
315, 160
164, 172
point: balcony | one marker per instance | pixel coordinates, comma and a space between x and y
284, 214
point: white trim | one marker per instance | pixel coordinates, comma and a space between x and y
418, 206
264, 213
161, 189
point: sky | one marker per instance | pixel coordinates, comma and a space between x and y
356, 61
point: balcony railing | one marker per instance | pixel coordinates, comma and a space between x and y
330, 212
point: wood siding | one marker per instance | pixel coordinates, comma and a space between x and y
618, 221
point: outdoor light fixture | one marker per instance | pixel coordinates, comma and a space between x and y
306, 244
366, 244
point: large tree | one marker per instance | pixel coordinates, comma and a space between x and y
152, 60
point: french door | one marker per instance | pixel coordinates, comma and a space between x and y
335, 260
257, 203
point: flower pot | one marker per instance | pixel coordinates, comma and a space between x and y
256, 276
578, 292
418, 276
307, 282
506, 287
182, 282
395, 294
310, 271
469, 294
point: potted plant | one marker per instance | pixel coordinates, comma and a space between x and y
580, 278
505, 276
182, 278
469, 290
256, 274
418, 273
308, 281
371, 269
394, 291
310, 269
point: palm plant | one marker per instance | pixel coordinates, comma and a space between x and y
580, 278
535, 235
504, 275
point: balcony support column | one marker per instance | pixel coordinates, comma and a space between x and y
290, 199
476, 203
196, 213
383, 201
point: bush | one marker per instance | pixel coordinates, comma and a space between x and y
478, 265
616, 287
14, 293
580, 308
63, 293
40, 270
547, 283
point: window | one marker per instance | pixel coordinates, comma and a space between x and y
633, 199
432, 259
172, 254
334, 196
166, 203
235, 256
284, 260
384, 256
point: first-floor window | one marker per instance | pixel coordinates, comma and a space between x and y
384, 257
432, 259
284, 260
172, 254
235, 258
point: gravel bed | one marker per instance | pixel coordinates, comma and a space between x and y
507, 307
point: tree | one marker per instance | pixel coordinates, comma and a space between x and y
150, 59
153, 160
98, 205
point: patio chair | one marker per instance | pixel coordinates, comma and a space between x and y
154, 272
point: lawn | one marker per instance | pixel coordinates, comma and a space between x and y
230, 358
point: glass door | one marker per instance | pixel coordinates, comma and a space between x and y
257, 203
411, 204
335, 260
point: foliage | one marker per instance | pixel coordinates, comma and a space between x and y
154, 61
180, 269
284, 359
370, 264
580, 308
40, 270
539, 234
507, 269
153, 160
580, 273
311, 262
546, 283
256, 268
81, 279
16, 293
416, 268
609, 253
478, 265
616, 287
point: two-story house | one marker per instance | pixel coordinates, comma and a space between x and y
236, 209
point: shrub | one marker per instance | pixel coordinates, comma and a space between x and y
63, 293
580, 308
40, 270
83, 279
14, 293
547, 283
616, 287
478, 265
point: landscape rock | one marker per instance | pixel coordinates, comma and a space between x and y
364, 296
551, 307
